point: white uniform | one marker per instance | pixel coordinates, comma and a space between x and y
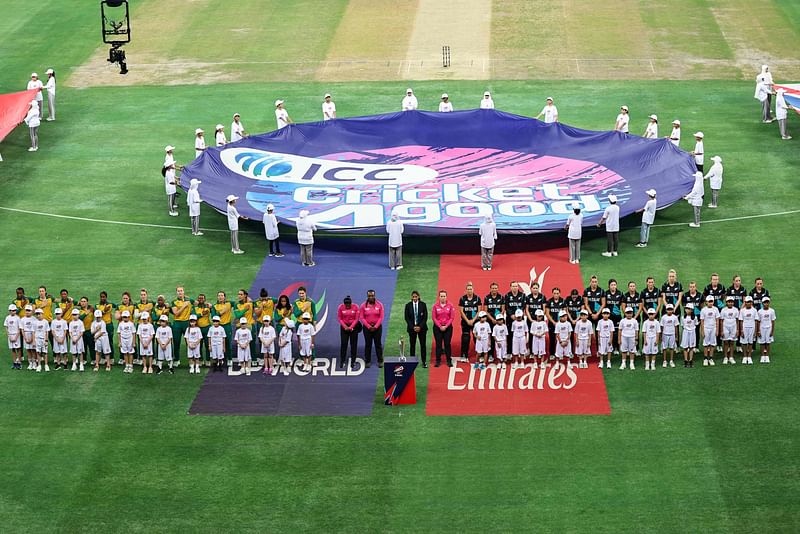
629, 329
518, 331
76, 330
164, 335
102, 345
233, 218
699, 156
13, 331
538, 333
445, 107
708, 318
219, 138
669, 328
304, 334
59, 327
243, 335
563, 331
605, 329
748, 317
36, 84
51, 97
146, 333
216, 341
714, 176
193, 335
487, 103
27, 326
40, 329
193, 201
765, 318
689, 337
482, 331
267, 337
270, 226
237, 131
651, 329
409, 103
649, 213
575, 223
550, 113
328, 111
623, 120
651, 132
583, 329
126, 331
282, 117
730, 323
611, 215
285, 344
675, 136
169, 175
199, 146
500, 334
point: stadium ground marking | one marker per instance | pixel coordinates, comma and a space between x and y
776, 214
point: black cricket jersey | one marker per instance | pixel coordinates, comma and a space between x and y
555, 306
718, 293
758, 297
494, 304
534, 303
594, 298
614, 305
514, 303
738, 296
651, 298
471, 307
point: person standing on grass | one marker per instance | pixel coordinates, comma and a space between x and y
328, 108
371, 315
146, 334
219, 135
395, 230
233, 223
626, 338
651, 132
611, 219
271, 231
781, 108
107, 313
675, 135
648, 218
710, 321
409, 101
51, 95
488, 233
33, 120
574, 230
193, 202
281, 115
714, 177
487, 102
748, 324
199, 142
766, 328
170, 183
416, 316
217, 337
445, 106
36, 83
102, 343
623, 120
698, 150
695, 198
27, 325
669, 334
164, 341
14, 336
549, 111
75, 332
86, 315
126, 334
305, 238
759, 292
729, 317
689, 323
349, 326
202, 310
443, 315
237, 129
764, 93
194, 340
181, 309
651, 339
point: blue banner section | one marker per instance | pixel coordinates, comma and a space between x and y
397, 374
442, 173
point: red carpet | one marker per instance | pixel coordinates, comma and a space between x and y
464, 391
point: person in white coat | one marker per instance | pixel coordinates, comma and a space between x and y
549, 111
698, 151
611, 219
36, 83
395, 230
487, 102
574, 228
651, 132
409, 101
328, 108
648, 218
199, 142
281, 115
695, 198
714, 178
764, 93
219, 135
445, 106
170, 182
51, 95
488, 233
233, 223
623, 120
675, 135
193, 202
237, 128
781, 113
33, 120
305, 238
271, 231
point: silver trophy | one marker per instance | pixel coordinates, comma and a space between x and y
402, 343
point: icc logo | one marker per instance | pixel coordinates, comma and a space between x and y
398, 371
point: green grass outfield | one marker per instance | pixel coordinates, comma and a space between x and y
712, 450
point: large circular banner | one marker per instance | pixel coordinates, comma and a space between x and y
442, 173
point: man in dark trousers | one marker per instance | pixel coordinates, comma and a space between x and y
416, 315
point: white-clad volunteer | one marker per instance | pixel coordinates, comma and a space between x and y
675, 135
281, 115
170, 183
623, 120
328, 108
549, 111
698, 151
611, 219
488, 233
764, 93
781, 113
487, 102
305, 238
651, 132
193, 201
695, 198
33, 120
233, 223
219, 135
395, 230
237, 128
409, 101
574, 228
271, 231
445, 106
36, 83
648, 217
714, 177
199, 142
51, 95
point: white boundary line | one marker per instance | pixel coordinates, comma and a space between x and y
173, 227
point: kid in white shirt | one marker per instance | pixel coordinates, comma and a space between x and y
689, 336
766, 328
242, 337
41, 329
285, 346
539, 340
194, 339
145, 332
626, 338
605, 331
584, 333
563, 331
305, 338
76, 346
748, 324
126, 331
14, 336
164, 341
669, 335
519, 340
651, 335
102, 345
59, 328
729, 316
216, 342
267, 337
482, 331
709, 320
500, 335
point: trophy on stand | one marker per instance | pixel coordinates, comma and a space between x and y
402, 343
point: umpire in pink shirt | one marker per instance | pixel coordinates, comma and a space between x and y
348, 315
443, 314
371, 315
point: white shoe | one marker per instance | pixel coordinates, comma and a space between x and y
725, 361
39, 368
615, 253
606, 254
744, 361
719, 349
766, 359
732, 361
665, 364
671, 363
247, 373
46, 368
81, 368
173, 214
608, 364
600, 364
399, 267
238, 251
705, 362
632, 366
622, 366
711, 362
694, 225
646, 366
74, 367
31, 149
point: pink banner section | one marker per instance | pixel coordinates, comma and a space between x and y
13, 108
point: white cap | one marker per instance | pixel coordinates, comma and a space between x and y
34, 75
144, 315
266, 318
75, 311
562, 313
628, 310
12, 307
487, 93
38, 310
49, 71
583, 312
709, 298
215, 318
126, 313
270, 207
59, 311
550, 98
670, 306
327, 95
716, 158
690, 306
169, 148
230, 198
219, 127
303, 213
698, 174
518, 313
98, 313
651, 192
288, 323
654, 118
624, 108
699, 134
780, 90
676, 121
409, 90
766, 299
28, 307
243, 320
575, 205
748, 298
539, 312
605, 310
481, 313
163, 318
192, 317
236, 115
612, 198
499, 317
195, 181
729, 298
278, 102
306, 315
444, 95
198, 131
651, 311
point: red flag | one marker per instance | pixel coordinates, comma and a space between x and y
13, 108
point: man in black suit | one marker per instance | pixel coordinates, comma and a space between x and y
416, 314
